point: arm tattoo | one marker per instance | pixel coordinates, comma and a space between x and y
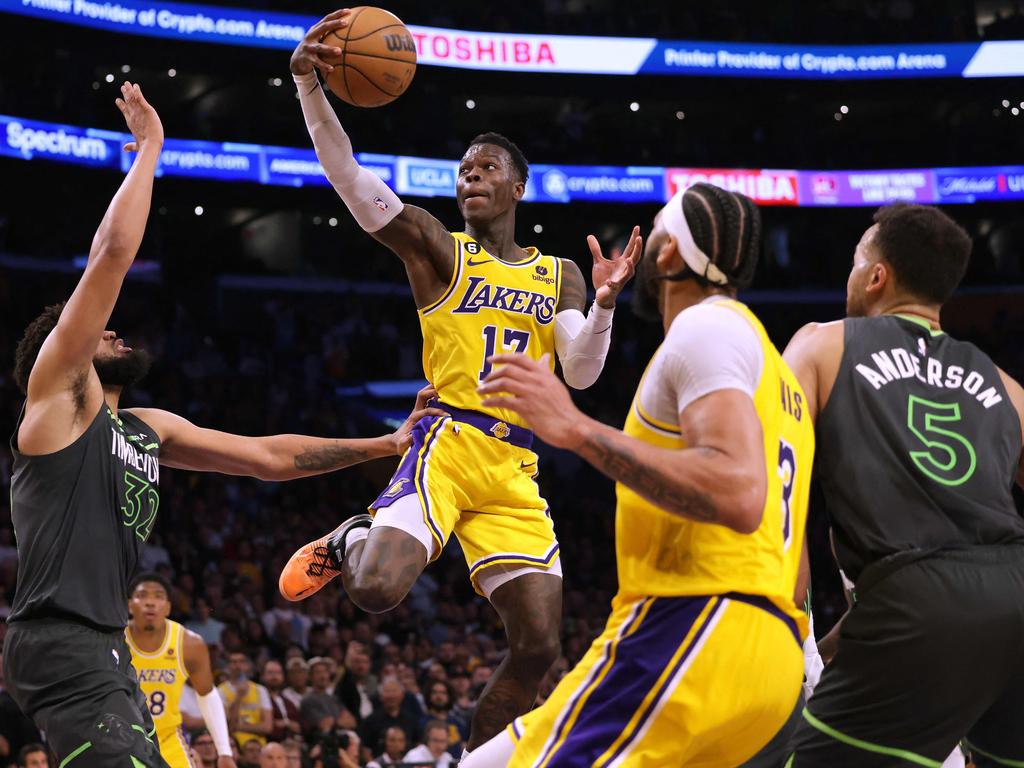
622, 465
328, 457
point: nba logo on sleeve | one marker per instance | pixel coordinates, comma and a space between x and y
380, 203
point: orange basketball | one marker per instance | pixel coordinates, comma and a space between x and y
378, 58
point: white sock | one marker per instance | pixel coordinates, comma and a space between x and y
356, 535
494, 754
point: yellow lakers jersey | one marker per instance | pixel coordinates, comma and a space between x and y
490, 307
162, 676
661, 554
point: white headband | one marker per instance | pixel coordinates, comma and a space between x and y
674, 221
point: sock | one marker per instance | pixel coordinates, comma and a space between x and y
356, 535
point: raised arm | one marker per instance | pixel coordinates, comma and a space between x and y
183, 445
426, 248
582, 342
63, 382
718, 478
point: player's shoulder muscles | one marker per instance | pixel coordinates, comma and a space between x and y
814, 354
415, 234
572, 293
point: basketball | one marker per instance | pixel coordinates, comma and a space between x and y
378, 58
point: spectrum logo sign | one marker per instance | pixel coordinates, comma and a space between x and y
762, 186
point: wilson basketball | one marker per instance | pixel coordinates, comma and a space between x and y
378, 58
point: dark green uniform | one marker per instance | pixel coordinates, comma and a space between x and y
81, 516
918, 448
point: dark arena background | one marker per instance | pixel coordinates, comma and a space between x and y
268, 310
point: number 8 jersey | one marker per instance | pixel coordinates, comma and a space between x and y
162, 677
491, 306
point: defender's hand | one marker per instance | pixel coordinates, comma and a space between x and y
142, 120
529, 388
611, 275
403, 435
313, 53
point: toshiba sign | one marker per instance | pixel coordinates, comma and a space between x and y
763, 187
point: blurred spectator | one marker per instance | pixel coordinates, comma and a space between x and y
205, 625
273, 756
247, 703
319, 711
284, 714
293, 751
251, 754
297, 676
33, 756
357, 686
439, 708
435, 746
396, 744
203, 744
389, 713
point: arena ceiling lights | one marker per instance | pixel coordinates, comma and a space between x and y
429, 177
550, 53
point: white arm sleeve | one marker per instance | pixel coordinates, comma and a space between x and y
212, 708
582, 343
368, 198
710, 348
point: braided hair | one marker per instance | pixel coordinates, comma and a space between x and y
727, 227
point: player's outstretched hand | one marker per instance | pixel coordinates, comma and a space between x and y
312, 53
226, 761
529, 388
141, 118
611, 275
403, 435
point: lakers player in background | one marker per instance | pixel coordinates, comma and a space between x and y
471, 471
700, 663
165, 655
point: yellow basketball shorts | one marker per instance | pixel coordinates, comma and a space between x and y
173, 748
697, 681
474, 475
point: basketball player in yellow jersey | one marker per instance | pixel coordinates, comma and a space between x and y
165, 655
471, 471
700, 663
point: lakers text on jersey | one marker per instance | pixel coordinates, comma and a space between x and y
473, 472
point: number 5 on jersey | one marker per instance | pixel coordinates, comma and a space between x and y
513, 340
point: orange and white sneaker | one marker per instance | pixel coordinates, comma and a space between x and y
314, 565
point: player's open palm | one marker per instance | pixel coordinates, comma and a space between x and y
529, 388
611, 275
142, 120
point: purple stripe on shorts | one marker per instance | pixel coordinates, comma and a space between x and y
652, 705
402, 482
545, 560
640, 660
425, 454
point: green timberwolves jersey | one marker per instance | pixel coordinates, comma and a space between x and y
81, 516
918, 445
